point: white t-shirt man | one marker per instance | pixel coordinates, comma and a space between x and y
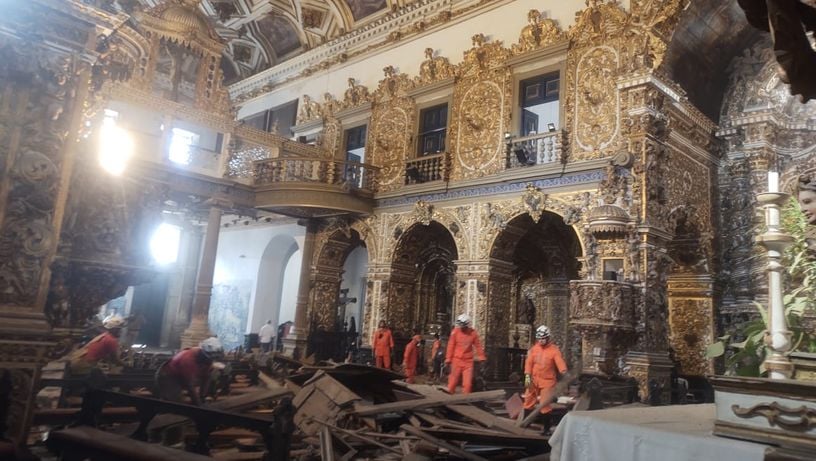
267, 333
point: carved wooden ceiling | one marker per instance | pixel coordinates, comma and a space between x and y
262, 33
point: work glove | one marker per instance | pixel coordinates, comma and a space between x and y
446, 369
528, 380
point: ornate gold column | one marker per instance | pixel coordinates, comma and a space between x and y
691, 321
199, 328
42, 87
295, 343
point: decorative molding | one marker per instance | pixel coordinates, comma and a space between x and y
587, 177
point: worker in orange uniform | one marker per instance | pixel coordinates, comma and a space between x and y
410, 358
383, 343
541, 369
104, 347
462, 346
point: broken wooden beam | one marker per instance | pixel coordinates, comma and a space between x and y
357, 436
437, 400
441, 443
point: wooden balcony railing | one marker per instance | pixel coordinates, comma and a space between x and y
427, 169
353, 175
248, 145
537, 149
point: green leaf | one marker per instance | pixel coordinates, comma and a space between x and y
715, 350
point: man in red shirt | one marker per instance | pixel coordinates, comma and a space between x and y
103, 347
463, 343
383, 343
188, 369
541, 369
410, 358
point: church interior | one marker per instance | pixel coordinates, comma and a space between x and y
631, 181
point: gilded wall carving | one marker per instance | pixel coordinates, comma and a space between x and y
595, 101
538, 33
38, 96
692, 321
434, 68
480, 114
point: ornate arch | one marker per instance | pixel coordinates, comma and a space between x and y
572, 209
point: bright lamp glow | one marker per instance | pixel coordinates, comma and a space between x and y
115, 145
181, 143
164, 245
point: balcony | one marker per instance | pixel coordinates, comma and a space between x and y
428, 168
313, 187
537, 149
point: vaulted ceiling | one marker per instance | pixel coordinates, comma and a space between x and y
262, 33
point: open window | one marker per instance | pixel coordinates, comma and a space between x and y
539, 104
433, 127
355, 139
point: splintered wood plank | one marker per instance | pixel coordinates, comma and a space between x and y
441, 443
493, 438
358, 436
233, 404
326, 448
437, 400
489, 420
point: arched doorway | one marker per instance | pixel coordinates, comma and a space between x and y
338, 294
274, 297
422, 286
531, 264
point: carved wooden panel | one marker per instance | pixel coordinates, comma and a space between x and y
480, 116
389, 143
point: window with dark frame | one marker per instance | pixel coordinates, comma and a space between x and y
433, 127
539, 103
278, 120
355, 139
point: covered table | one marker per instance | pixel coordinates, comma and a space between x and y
670, 433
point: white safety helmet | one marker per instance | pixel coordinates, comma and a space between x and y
113, 321
463, 320
542, 332
211, 345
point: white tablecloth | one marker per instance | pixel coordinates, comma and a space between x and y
671, 433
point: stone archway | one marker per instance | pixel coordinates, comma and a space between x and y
530, 266
421, 286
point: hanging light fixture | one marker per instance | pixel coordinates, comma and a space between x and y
115, 145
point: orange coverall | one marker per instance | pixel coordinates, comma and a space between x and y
541, 364
461, 347
410, 358
383, 343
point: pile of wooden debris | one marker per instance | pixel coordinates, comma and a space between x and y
304, 413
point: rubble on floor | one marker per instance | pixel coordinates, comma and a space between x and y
348, 412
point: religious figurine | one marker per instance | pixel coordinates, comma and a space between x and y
308, 110
531, 34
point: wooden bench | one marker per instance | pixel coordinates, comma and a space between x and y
276, 432
81, 443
